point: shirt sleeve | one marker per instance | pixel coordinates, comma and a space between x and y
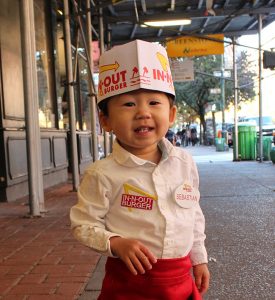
88, 215
198, 254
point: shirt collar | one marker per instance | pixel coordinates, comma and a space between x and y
124, 157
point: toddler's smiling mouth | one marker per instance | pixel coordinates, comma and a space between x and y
143, 129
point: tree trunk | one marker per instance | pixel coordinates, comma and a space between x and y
203, 123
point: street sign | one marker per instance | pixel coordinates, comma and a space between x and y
226, 73
215, 91
196, 46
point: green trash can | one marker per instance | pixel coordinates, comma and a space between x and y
267, 145
272, 154
220, 144
246, 142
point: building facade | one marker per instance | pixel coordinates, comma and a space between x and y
52, 97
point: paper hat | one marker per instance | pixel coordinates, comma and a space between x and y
132, 66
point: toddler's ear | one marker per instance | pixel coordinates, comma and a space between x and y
104, 122
172, 115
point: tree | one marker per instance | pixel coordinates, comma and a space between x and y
246, 78
196, 94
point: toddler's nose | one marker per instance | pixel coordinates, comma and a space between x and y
143, 112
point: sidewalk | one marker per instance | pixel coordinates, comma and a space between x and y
39, 258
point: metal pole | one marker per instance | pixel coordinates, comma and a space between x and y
35, 175
91, 90
260, 91
236, 141
101, 30
111, 135
101, 37
222, 88
73, 142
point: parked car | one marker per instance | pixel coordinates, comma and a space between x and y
268, 124
268, 127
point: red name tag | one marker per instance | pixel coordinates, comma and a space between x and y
135, 201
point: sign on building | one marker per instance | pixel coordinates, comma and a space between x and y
182, 70
189, 46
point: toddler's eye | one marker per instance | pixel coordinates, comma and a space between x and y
129, 104
154, 102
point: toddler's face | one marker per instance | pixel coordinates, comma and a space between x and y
139, 119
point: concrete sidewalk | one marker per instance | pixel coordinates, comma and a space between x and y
238, 202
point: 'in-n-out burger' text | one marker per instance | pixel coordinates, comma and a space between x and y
162, 76
118, 81
114, 82
135, 201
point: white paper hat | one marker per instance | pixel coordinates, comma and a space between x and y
132, 66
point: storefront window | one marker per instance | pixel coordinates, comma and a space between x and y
60, 63
44, 64
11, 62
81, 92
80, 72
84, 94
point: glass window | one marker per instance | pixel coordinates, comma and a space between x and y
84, 102
60, 63
11, 62
81, 88
44, 64
81, 72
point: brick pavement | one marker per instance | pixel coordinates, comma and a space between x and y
39, 258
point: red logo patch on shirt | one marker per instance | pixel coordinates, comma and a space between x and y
136, 201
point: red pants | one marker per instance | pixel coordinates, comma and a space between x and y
169, 279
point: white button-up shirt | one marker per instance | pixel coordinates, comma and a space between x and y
123, 195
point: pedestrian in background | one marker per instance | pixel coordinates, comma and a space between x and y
171, 137
140, 205
188, 136
193, 136
183, 135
